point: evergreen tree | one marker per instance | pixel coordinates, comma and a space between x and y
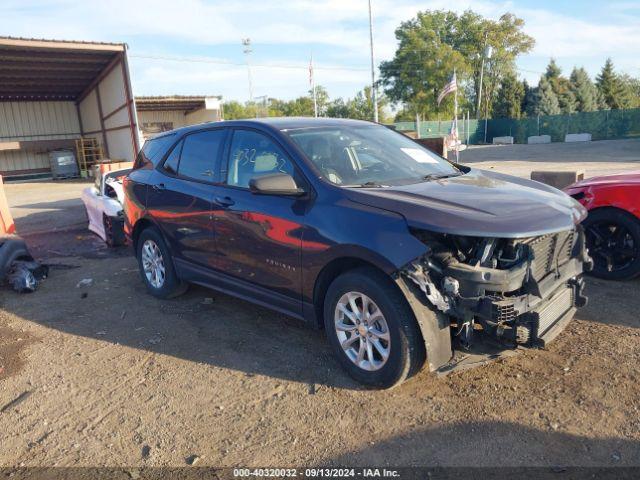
612, 87
561, 87
546, 99
529, 100
584, 91
553, 70
508, 103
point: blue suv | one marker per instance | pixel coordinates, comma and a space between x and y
404, 258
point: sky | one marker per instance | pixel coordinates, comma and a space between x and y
193, 47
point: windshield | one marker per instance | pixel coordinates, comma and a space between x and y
369, 155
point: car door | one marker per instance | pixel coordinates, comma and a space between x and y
258, 237
180, 195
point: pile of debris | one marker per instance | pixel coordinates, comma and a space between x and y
18, 268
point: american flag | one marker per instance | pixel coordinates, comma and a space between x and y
450, 87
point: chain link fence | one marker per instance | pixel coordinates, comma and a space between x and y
602, 125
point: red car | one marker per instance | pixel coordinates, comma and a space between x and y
613, 225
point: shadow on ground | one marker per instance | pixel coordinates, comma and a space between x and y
487, 444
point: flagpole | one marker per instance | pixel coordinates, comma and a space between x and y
455, 109
313, 88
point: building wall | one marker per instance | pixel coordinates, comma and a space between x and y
153, 122
113, 132
23, 121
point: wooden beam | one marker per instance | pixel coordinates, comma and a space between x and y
11, 65
104, 135
130, 105
111, 129
106, 71
113, 112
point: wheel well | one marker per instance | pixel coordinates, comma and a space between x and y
329, 273
140, 225
612, 208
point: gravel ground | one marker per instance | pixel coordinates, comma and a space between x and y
106, 375
594, 158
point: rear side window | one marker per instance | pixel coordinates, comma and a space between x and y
153, 150
171, 163
200, 155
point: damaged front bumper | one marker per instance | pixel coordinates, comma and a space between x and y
526, 305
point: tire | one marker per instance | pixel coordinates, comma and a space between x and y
406, 353
113, 229
170, 286
613, 240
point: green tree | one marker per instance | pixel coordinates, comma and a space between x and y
632, 87
435, 43
529, 100
612, 88
561, 87
546, 99
234, 110
584, 91
508, 102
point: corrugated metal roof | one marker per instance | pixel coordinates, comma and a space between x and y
172, 102
63, 42
39, 69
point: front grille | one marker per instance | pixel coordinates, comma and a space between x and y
551, 251
554, 309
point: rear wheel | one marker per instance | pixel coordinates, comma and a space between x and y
371, 329
613, 240
156, 266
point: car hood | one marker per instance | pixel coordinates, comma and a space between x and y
627, 178
478, 203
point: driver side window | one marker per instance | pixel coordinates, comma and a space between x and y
253, 154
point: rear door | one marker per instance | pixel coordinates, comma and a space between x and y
180, 196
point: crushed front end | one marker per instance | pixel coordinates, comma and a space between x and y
512, 292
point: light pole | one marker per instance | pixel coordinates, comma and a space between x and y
246, 43
374, 94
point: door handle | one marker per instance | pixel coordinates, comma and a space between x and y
158, 186
224, 201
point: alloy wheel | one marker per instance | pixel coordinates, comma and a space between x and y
153, 264
362, 331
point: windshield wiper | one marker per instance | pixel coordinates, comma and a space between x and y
435, 176
365, 185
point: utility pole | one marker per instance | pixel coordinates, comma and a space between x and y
312, 81
246, 43
374, 94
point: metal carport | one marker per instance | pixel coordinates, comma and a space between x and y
53, 92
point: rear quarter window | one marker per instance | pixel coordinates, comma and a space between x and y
154, 150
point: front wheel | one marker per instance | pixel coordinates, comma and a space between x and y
613, 241
372, 329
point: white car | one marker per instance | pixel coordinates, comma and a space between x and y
103, 202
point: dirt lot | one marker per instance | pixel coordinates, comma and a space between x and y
105, 375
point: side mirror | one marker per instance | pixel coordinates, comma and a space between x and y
275, 184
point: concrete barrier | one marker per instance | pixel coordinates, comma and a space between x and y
539, 139
557, 179
577, 137
503, 140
